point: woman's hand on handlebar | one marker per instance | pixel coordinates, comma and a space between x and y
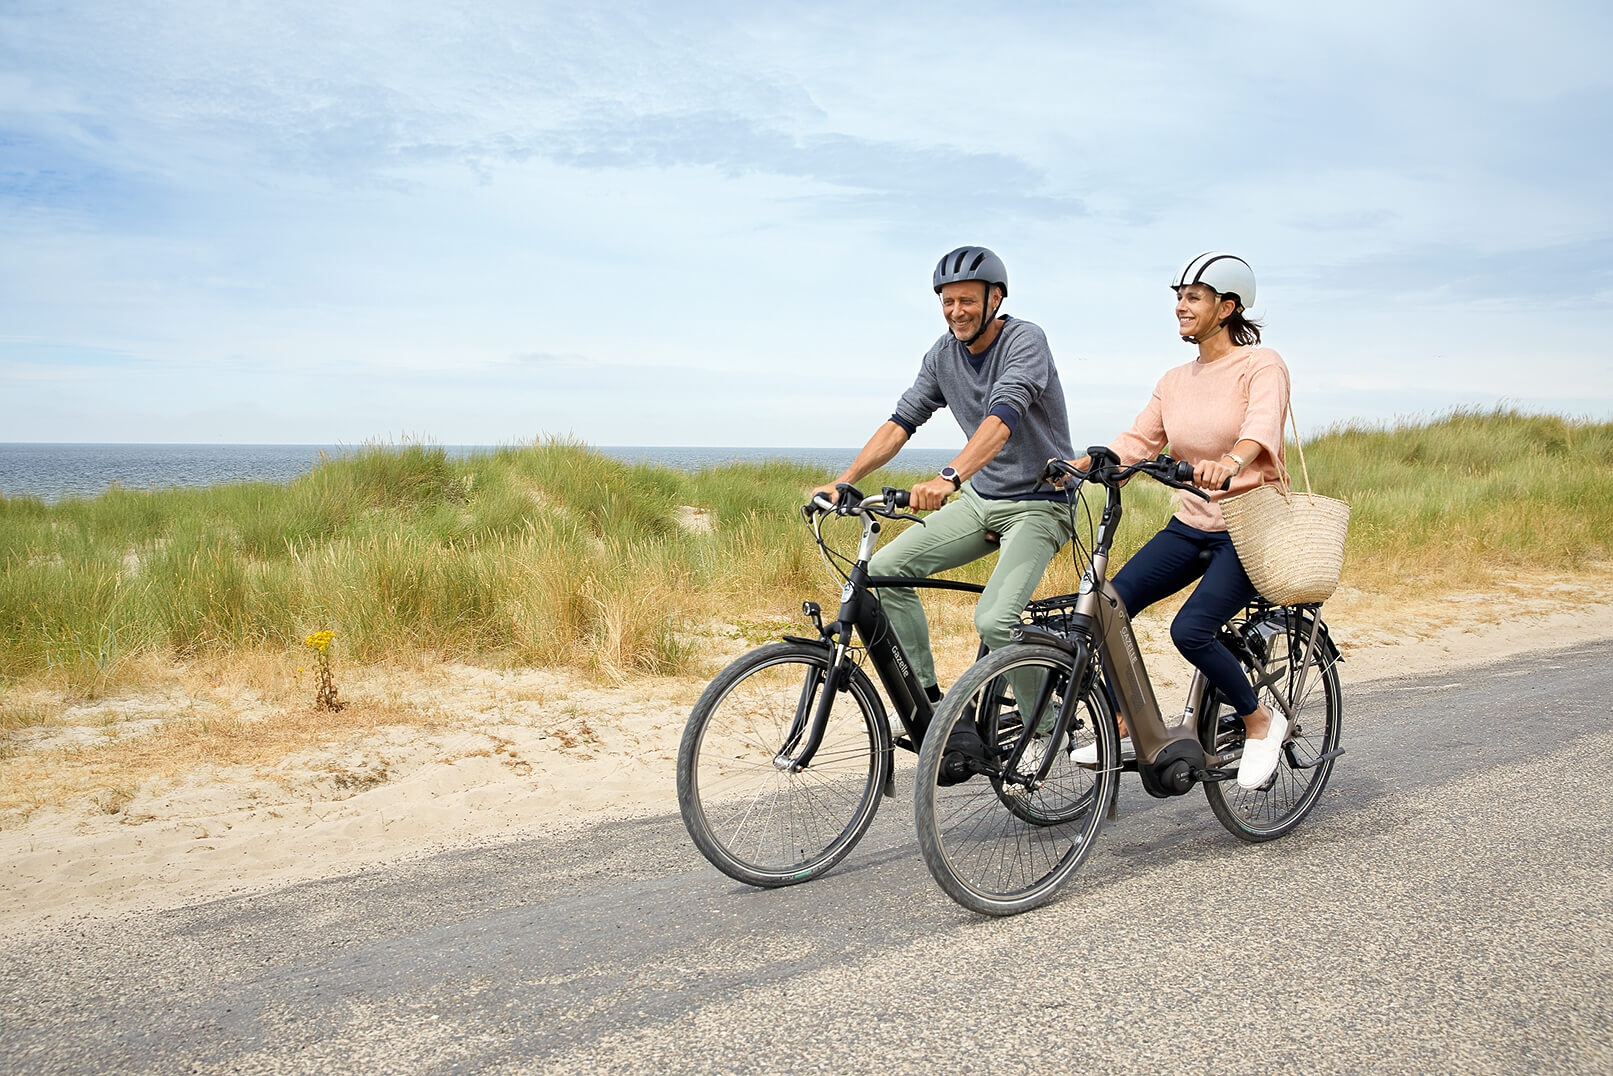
1213, 474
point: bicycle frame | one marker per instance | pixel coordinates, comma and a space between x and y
1167, 756
861, 611
1170, 757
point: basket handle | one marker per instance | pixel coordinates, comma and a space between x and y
1299, 443
1285, 481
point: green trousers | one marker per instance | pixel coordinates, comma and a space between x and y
1032, 532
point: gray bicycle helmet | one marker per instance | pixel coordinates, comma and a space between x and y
1226, 274
971, 263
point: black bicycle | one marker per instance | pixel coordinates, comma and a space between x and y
1006, 841
788, 750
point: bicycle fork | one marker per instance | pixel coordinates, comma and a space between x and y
860, 611
1080, 651
818, 693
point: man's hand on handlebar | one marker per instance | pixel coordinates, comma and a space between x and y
827, 491
928, 496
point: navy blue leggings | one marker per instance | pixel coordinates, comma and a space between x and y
1169, 562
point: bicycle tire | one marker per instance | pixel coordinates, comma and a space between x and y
1269, 812
989, 858
753, 822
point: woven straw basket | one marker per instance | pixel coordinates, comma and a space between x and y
1290, 543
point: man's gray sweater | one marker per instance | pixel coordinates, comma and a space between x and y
1014, 379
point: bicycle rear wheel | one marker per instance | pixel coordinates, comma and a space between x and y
992, 844
1263, 814
752, 821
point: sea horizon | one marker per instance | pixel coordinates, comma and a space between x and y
53, 471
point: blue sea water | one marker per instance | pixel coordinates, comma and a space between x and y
52, 472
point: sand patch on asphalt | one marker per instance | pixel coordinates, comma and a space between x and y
456, 755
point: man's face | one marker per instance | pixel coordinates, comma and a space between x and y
965, 305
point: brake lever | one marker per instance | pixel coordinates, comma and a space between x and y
1058, 473
812, 508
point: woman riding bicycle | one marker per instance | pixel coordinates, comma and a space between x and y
1224, 411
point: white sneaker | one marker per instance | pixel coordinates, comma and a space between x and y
1087, 755
1260, 756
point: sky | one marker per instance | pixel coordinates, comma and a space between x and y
714, 223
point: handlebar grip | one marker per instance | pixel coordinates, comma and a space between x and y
1184, 473
899, 498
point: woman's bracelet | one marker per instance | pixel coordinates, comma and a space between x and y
1239, 460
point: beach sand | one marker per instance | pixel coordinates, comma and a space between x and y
453, 756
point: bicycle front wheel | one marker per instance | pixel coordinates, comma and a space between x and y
1282, 637
994, 844
751, 820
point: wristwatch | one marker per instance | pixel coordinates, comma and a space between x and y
950, 473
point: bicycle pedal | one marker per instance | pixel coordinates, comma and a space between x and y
905, 743
1206, 776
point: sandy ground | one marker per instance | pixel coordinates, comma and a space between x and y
456, 756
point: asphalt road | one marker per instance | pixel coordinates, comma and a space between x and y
1447, 907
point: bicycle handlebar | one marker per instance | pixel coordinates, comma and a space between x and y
1106, 468
852, 502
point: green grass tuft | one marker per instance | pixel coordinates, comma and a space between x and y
552, 553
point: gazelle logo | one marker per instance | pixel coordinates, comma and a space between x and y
1131, 646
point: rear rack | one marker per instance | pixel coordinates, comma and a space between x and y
1055, 614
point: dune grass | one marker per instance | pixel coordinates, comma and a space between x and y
551, 553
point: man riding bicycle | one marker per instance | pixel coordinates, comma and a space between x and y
997, 376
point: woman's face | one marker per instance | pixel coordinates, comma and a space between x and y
1197, 311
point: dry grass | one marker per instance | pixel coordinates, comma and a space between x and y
107, 773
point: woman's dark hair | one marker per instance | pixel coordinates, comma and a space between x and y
1242, 330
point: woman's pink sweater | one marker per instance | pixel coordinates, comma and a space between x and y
1200, 410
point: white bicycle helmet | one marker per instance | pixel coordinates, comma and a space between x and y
1226, 274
